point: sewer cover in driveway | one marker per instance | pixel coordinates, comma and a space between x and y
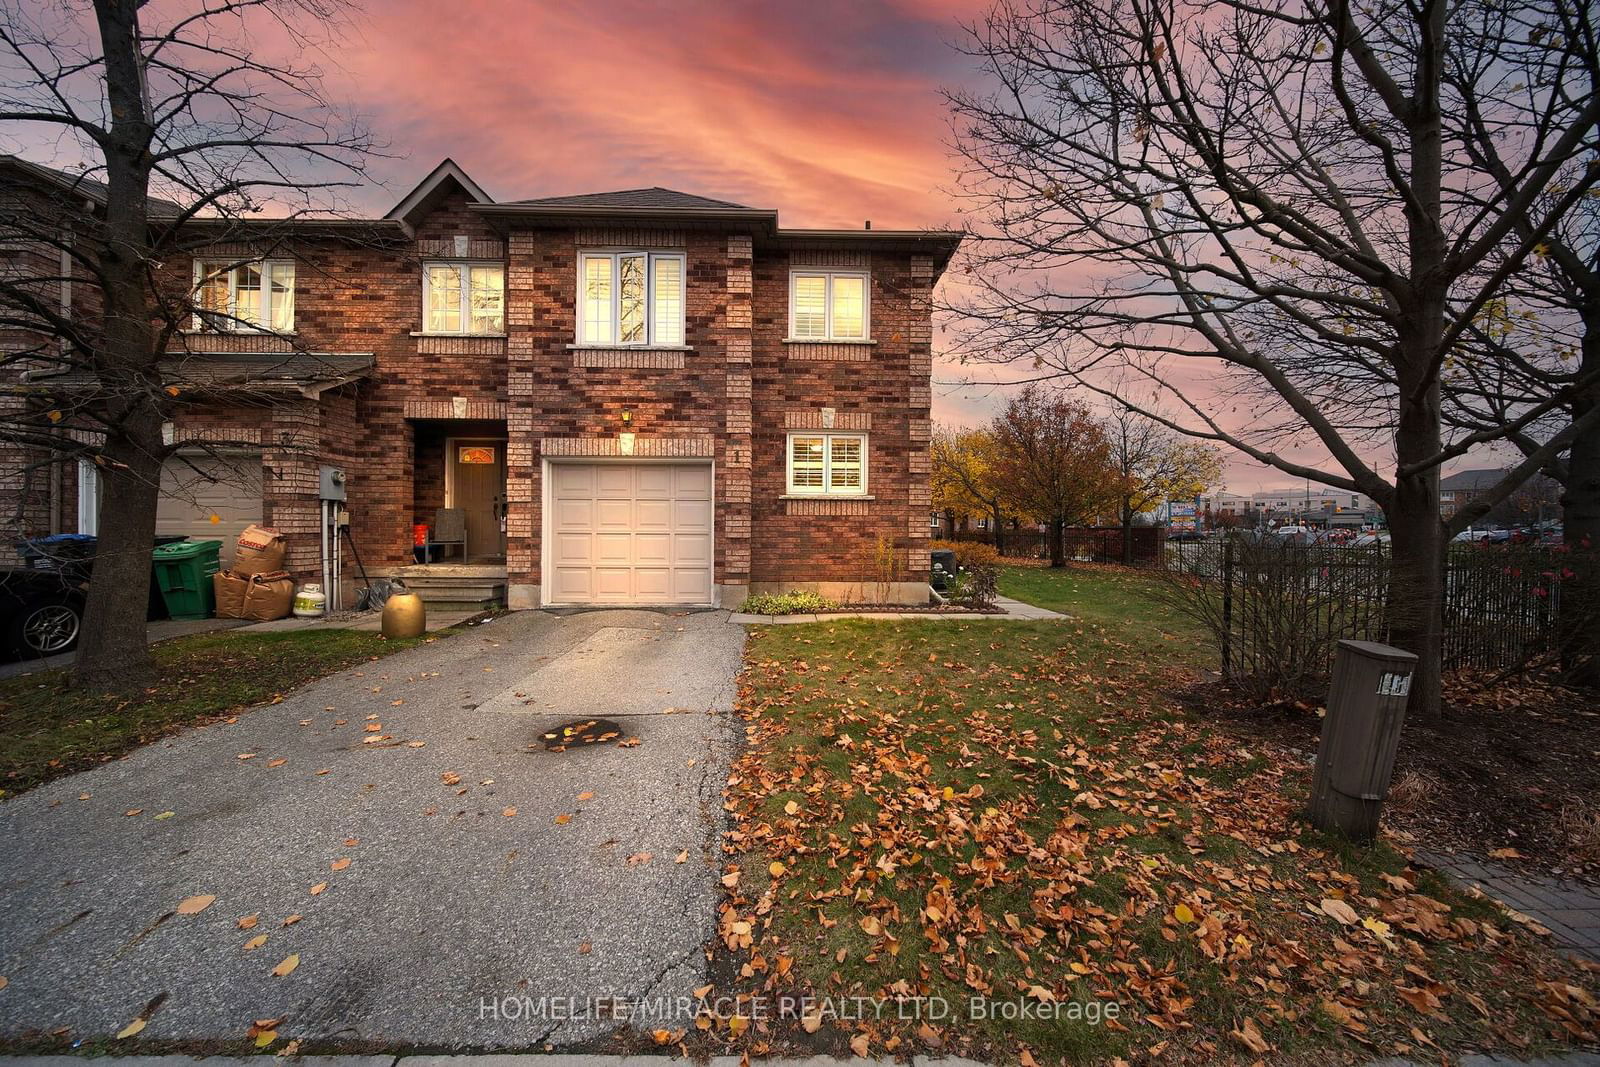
585, 732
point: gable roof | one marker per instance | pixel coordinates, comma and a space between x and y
653, 198
444, 179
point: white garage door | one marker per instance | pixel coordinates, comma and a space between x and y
629, 533
194, 488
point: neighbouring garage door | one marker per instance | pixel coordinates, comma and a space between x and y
194, 488
629, 533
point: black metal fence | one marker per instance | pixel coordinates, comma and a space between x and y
1278, 610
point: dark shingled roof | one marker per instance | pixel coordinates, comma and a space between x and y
654, 198
86, 187
1473, 479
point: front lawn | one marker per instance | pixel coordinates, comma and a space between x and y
48, 729
1006, 818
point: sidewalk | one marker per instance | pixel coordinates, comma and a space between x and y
1570, 911
1014, 610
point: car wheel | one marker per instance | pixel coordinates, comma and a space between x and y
47, 629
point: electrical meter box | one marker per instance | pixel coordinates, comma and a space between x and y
331, 483
1360, 735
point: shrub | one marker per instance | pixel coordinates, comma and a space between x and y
971, 554
792, 603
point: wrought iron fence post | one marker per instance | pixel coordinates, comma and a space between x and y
1227, 607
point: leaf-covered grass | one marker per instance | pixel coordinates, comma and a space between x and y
48, 729
1022, 813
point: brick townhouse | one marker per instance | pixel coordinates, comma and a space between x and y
638, 397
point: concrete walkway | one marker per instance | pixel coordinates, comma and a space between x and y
1570, 911
398, 843
1014, 610
1571, 1059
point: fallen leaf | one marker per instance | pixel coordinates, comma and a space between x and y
509, 812
291, 920
682, 857
638, 859
265, 1038
1505, 854
775, 868
1250, 1037
165, 815
562, 820
255, 942
318, 889
131, 1029
279, 762
585, 796
133, 811
791, 808
1183, 913
450, 778
1339, 911
860, 1045
195, 905
351, 842
248, 922
289, 964
340, 864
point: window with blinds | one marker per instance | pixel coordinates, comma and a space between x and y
464, 298
244, 296
828, 306
631, 298
827, 464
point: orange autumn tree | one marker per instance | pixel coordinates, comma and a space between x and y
1054, 461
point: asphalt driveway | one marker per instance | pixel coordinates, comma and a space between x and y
487, 893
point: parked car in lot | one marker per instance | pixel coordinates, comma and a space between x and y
41, 612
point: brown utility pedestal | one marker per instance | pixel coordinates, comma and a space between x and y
1366, 707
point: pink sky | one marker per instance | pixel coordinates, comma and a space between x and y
829, 111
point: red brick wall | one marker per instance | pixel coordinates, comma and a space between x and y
731, 400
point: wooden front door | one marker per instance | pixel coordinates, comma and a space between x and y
478, 488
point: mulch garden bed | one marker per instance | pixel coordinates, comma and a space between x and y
1511, 772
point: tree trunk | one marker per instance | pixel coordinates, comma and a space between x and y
1127, 533
1418, 545
1580, 522
997, 527
113, 653
1058, 542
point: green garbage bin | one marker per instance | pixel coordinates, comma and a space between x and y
183, 571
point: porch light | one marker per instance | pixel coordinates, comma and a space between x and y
627, 417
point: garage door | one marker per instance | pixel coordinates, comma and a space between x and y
194, 488
629, 533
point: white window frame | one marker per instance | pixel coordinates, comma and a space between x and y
230, 323
465, 266
933, 520
827, 304
826, 489
616, 256
88, 498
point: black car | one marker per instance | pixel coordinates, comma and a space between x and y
41, 611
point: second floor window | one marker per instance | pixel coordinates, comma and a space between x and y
827, 306
230, 295
464, 298
630, 298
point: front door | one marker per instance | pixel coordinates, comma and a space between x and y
478, 488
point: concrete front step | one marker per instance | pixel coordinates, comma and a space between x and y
456, 586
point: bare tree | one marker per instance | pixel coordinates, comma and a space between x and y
1259, 211
188, 135
1053, 459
